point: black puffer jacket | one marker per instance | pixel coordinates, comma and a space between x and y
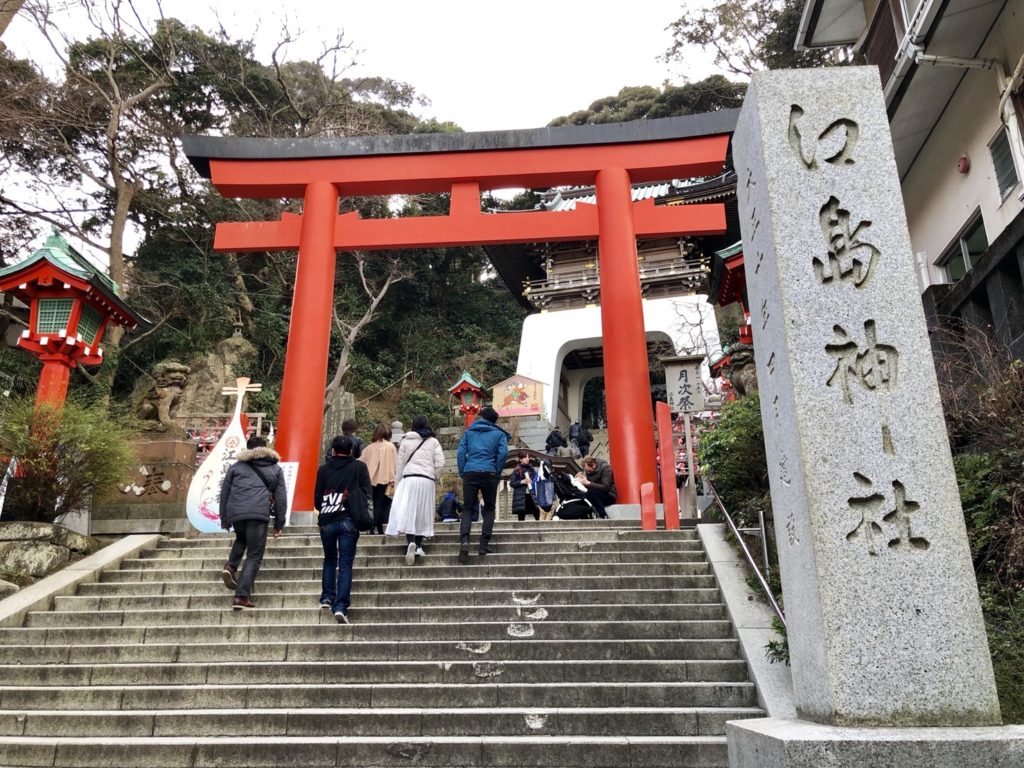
243, 496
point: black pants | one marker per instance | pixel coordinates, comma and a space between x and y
381, 507
486, 485
531, 509
599, 499
251, 541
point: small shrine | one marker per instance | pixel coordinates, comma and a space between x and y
470, 395
71, 305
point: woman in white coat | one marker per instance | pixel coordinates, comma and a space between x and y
417, 471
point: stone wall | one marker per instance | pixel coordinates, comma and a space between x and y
30, 551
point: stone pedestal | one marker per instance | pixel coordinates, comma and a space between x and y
153, 498
885, 625
777, 743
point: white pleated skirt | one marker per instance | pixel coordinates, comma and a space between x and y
412, 510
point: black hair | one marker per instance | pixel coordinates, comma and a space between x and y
255, 442
342, 444
420, 422
489, 414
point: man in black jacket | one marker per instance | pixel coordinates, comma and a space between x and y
342, 484
252, 491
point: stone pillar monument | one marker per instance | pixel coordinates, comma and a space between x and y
885, 627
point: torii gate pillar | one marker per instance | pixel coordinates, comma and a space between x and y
309, 339
626, 374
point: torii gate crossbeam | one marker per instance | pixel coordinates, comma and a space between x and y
611, 157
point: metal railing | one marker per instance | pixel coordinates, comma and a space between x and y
738, 533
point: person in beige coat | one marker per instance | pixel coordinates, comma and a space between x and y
379, 457
419, 466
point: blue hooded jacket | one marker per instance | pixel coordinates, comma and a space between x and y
483, 448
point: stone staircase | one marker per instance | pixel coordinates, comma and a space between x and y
587, 643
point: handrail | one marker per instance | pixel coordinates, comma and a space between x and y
749, 557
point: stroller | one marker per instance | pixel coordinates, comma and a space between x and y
572, 502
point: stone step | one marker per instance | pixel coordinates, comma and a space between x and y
366, 671
371, 545
505, 649
190, 598
430, 751
421, 614
377, 721
352, 695
416, 582
434, 556
249, 626
310, 536
478, 567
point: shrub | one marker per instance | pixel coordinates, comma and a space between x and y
732, 457
64, 456
415, 402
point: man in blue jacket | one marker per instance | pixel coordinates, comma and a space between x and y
481, 456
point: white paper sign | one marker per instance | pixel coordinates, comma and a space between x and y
11, 469
291, 475
684, 384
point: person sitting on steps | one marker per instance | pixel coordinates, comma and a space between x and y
600, 484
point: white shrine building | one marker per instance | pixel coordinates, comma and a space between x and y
560, 284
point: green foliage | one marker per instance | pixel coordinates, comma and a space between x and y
777, 651
64, 457
732, 457
647, 102
745, 35
1005, 626
415, 402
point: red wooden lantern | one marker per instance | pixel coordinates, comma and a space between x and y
470, 394
71, 304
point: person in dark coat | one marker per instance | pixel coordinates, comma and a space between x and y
253, 491
584, 440
522, 482
555, 442
600, 484
481, 457
342, 485
348, 429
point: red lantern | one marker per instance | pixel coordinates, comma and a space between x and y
71, 304
470, 394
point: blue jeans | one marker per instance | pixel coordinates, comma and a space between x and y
339, 539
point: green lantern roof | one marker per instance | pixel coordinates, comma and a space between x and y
465, 377
58, 252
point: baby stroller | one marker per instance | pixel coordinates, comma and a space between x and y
572, 502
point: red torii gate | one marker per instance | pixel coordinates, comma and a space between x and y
610, 157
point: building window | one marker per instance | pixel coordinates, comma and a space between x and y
1002, 159
89, 324
963, 253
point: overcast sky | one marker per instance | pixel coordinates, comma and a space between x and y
483, 65
488, 65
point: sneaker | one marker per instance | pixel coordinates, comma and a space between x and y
464, 554
420, 552
230, 576
341, 617
325, 607
410, 556
242, 602
556, 517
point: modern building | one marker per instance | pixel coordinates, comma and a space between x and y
952, 73
560, 284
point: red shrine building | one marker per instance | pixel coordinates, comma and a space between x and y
611, 158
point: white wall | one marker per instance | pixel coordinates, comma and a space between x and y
939, 200
688, 321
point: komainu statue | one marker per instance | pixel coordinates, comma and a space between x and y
744, 374
159, 403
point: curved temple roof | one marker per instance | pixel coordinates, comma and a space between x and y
202, 149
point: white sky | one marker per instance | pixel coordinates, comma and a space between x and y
486, 65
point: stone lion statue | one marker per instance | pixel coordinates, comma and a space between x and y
159, 404
743, 374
